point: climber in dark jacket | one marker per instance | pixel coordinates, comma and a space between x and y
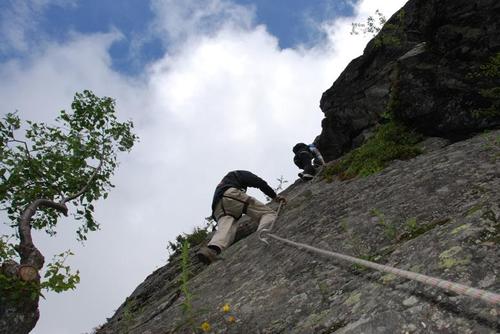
304, 156
229, 203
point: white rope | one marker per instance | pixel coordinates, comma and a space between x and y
487, 296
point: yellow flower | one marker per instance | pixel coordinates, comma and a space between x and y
226, 308
231, 319
205, 327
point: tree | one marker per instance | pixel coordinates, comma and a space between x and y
372, 26
392, 34
43, 172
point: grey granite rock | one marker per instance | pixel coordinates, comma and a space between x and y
437, 214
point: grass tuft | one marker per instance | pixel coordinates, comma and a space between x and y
391, 141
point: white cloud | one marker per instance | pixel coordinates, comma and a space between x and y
20, 20
178, 20
365, 8
226, 97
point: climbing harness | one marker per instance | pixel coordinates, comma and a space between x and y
243, 211
487, 296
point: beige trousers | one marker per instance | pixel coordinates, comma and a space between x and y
231, 207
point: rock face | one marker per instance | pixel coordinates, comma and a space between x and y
427, 69
437, 214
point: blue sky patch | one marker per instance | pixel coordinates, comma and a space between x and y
291, 21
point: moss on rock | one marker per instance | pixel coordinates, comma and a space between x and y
391, 141
449, 258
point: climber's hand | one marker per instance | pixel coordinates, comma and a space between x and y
280, 199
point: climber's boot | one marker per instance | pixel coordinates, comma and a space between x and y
206, 255
306, 177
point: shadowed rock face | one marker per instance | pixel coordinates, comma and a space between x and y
436, 214
423, 68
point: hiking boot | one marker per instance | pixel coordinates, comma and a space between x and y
206, 255
306, 176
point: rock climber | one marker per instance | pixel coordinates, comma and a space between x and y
308, 158
229, 203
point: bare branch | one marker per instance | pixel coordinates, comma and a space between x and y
87, 185
14, 140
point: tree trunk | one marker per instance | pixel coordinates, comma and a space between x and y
20, 283
19, 299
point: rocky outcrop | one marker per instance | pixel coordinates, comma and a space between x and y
427, 69
436, 214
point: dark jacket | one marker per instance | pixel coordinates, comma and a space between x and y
301, 149
241, 179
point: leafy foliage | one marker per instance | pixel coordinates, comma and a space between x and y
71, 161
7, 250
193, 239
489, 72
187, 304
391, 141
57, 161
492, 68
372, 26
59, 276
13, 289
185, 275
392, 32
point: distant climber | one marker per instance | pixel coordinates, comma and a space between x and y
229, 203
308, 158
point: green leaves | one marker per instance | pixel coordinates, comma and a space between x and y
57, 161
13, 290
59, 276
7, 251
71, 160
391, 141
372, 26
193, 239
492, 67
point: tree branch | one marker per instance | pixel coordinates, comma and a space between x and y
87, 185
46, 184
30, 158
30, 255
14, 140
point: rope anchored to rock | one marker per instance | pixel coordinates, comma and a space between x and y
487, 296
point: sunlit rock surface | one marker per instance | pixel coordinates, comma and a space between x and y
436, 214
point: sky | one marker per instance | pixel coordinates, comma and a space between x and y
211, 86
